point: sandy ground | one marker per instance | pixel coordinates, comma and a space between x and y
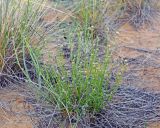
14, 109
141, 51
154, 125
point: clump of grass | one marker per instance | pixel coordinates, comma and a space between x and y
18, 26
80, 83
88, 13
91, 16
83, 86
80, 88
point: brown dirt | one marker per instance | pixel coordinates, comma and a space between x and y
133, 44
13, 109
54, 16
144, 43
154, 125
49, 53
58, 15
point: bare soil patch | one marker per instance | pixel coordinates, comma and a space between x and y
140, 50
154, 125
14, 109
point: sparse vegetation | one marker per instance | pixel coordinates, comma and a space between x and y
140, 12
81, 81
83, 86
19, 27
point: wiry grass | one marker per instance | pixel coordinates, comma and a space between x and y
79, 82
91, 15
19, 25
78, 89
72, 83
83, 87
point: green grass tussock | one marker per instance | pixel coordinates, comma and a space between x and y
79, 83
18, 28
